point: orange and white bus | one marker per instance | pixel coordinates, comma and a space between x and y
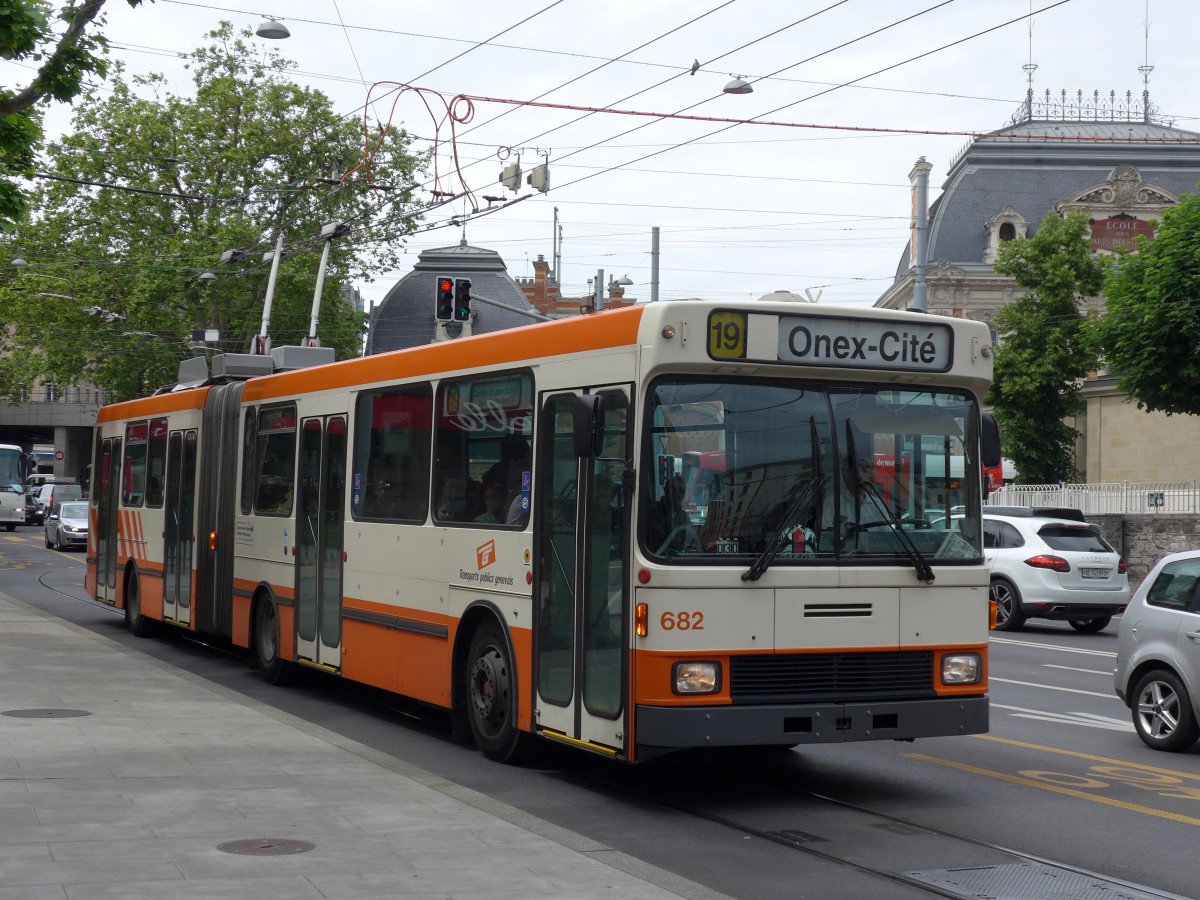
493, 525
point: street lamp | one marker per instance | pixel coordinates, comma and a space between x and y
739, 85
272, 29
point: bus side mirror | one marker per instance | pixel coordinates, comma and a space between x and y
589, 425
990, 441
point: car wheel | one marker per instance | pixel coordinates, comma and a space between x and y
1008, 606
49, 543
1162, 712
1091, 626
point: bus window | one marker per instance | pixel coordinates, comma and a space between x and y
275, 450
133, 472
156, 462
391, 453
484, 434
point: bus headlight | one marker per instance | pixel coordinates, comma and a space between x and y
697, 677
962, 668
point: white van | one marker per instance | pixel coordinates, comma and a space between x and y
56, 492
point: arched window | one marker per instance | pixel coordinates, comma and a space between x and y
1007, 225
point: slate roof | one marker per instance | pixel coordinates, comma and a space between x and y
1030, 167
405, 318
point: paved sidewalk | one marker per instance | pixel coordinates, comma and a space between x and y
121, 777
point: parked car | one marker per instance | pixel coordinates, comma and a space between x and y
1052, 567
1158, 654
67, 525
56, 492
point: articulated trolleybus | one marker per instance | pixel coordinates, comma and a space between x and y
494, 525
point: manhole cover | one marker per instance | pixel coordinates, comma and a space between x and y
1027, 881
45, 713
266, 847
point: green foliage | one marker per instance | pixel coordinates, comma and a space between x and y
1043, 355
152, 191
27, 32
1150, 333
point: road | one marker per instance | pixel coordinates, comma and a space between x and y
1060, 787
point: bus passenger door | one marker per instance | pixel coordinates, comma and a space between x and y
179, 530
581, 629
320, 516
105, 485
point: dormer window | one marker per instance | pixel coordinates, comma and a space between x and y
1008, 225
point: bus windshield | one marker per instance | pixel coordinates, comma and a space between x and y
12, 470
810, 473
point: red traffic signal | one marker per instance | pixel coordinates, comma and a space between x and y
444, 298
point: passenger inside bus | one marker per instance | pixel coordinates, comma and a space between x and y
669, 527
494, 507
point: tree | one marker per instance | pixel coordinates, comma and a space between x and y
146, 194
67, 59
1043, 355
1150, 331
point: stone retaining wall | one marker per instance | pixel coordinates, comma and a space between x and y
1143, 539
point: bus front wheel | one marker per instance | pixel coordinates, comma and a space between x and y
491, 695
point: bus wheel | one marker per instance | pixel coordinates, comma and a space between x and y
266, 643
135, 620
491, 695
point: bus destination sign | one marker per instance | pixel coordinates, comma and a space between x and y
832, 341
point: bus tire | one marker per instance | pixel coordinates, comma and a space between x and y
266, 643
135, 619
491, 695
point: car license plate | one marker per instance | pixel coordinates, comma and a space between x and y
1094, 573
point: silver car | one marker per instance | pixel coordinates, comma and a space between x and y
1158, 654
1052, 567
67, 525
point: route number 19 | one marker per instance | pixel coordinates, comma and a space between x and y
727, 335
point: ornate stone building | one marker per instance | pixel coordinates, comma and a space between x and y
1113, 161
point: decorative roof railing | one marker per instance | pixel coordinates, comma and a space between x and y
1094, 108
1079, 107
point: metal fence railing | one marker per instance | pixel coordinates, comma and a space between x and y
1110, 498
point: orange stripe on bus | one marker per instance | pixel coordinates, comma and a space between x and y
613, 328
152, 406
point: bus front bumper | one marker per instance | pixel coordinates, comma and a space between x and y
679, 727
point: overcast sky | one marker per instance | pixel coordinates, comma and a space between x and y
743, 210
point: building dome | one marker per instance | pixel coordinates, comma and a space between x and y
406, 318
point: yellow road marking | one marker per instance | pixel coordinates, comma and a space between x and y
1056, 789
1100, 759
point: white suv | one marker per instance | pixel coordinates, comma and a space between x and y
1051, 564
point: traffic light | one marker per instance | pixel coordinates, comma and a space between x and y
444, 299
510, 177
462, 299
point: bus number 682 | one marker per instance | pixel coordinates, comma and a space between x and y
683, 621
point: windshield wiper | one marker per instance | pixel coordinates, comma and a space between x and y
765, 558
924, 572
